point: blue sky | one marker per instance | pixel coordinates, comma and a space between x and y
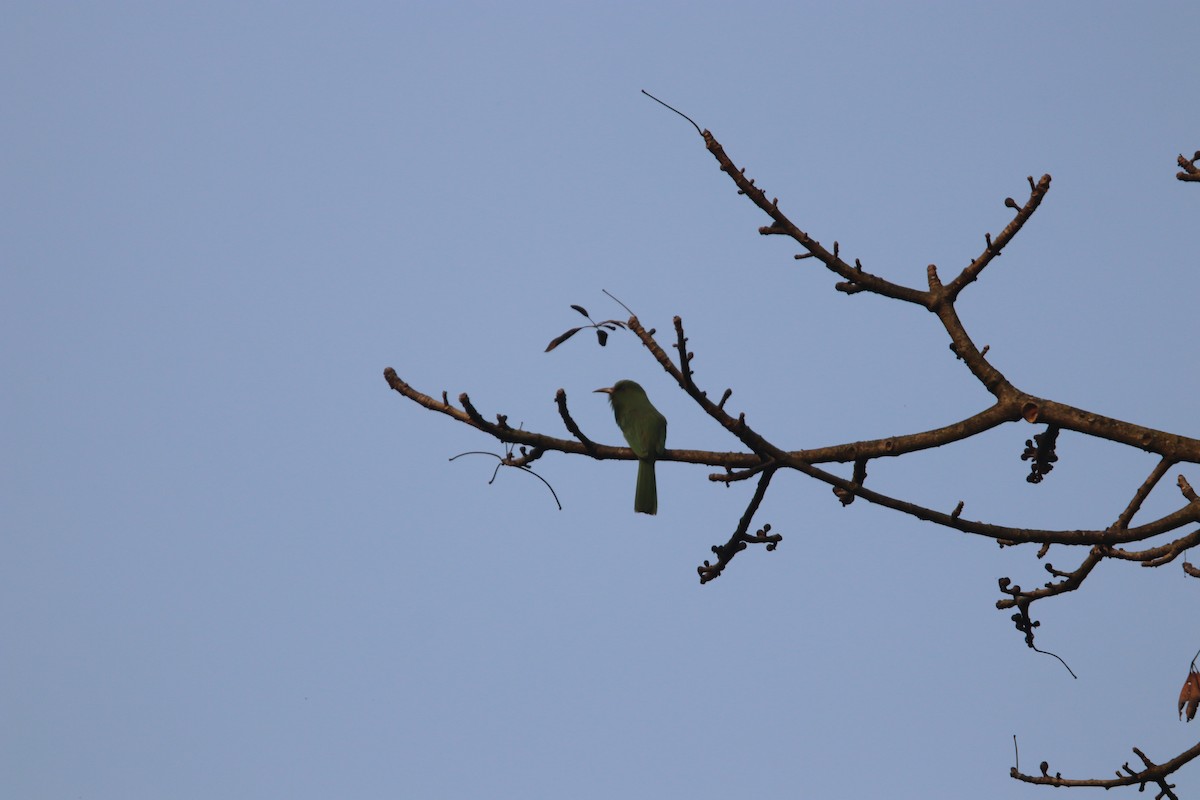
236, 565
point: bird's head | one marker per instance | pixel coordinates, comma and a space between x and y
622, 391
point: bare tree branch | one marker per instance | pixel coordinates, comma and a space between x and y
1190, 171
765, 453
1143, 491
1153, 773
971, 271
740, 539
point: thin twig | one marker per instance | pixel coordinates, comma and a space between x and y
1064, 663
507, 463
622, 305
677, 111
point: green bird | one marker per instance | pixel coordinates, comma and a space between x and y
646, 431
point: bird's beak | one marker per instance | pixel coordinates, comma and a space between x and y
607, 390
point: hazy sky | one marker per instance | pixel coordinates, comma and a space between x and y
236, 565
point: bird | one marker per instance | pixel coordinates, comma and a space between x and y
646, 431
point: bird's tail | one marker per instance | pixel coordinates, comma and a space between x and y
645, 498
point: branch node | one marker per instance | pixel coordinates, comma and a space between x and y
1186, 489
475, 416
1041, 454
931, 273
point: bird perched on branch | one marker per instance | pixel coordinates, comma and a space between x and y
646, 431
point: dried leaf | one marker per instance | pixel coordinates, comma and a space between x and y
581, 310
560, 339
602, 336
1189, 696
